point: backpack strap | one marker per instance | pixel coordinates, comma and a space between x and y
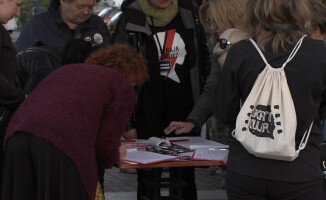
293, 53
259, 51
305, 137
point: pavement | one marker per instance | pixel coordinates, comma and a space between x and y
123, 186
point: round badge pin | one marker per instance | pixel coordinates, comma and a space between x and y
98, 38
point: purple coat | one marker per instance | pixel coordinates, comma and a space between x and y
82, 109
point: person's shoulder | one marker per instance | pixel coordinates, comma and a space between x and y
95, 17
39, 19
243, 46
87, 68
314, 43
313, 48
37, 25
91, 70
126, 4
95, 20
38, 9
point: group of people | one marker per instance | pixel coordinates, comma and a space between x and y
166, 69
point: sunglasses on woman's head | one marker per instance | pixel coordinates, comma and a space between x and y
223, 43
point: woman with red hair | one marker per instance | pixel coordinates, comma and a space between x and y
69, 126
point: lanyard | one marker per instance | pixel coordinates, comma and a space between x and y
158, 41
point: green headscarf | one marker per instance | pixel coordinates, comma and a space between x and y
161, 17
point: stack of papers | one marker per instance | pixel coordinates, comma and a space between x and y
146, 157
137, 143
210, 154
193, 143
204, 150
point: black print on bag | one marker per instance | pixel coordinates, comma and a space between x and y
262, 121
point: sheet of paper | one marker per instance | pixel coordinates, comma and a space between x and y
145, 157
185, 156
131, 163
198, 142
131, 150
210, 154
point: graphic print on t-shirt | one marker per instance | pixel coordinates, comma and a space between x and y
174, 53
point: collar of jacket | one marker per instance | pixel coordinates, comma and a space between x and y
136, 20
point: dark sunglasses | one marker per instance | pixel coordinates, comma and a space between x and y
223, 43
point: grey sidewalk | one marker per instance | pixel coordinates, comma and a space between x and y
123, 186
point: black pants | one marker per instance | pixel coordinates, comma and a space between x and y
145, 188
1, 165
37, 170
240, 187
323, 164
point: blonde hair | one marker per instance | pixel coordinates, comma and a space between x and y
227, 13
204, 6
261, 15
202, 17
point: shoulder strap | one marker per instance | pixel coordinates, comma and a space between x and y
259, 51
293, 53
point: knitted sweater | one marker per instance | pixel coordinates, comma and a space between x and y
82, 109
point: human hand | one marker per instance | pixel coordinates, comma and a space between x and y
225, 160
122, 150
131, 134
179, 127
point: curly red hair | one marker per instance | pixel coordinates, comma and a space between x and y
124, 59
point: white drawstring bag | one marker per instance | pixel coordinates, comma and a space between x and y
266, 124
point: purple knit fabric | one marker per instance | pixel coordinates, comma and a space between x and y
82, 109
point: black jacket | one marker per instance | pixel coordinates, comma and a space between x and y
10, 96
48, 29
133, 29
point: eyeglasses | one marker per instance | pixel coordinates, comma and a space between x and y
211, 22
223, 43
